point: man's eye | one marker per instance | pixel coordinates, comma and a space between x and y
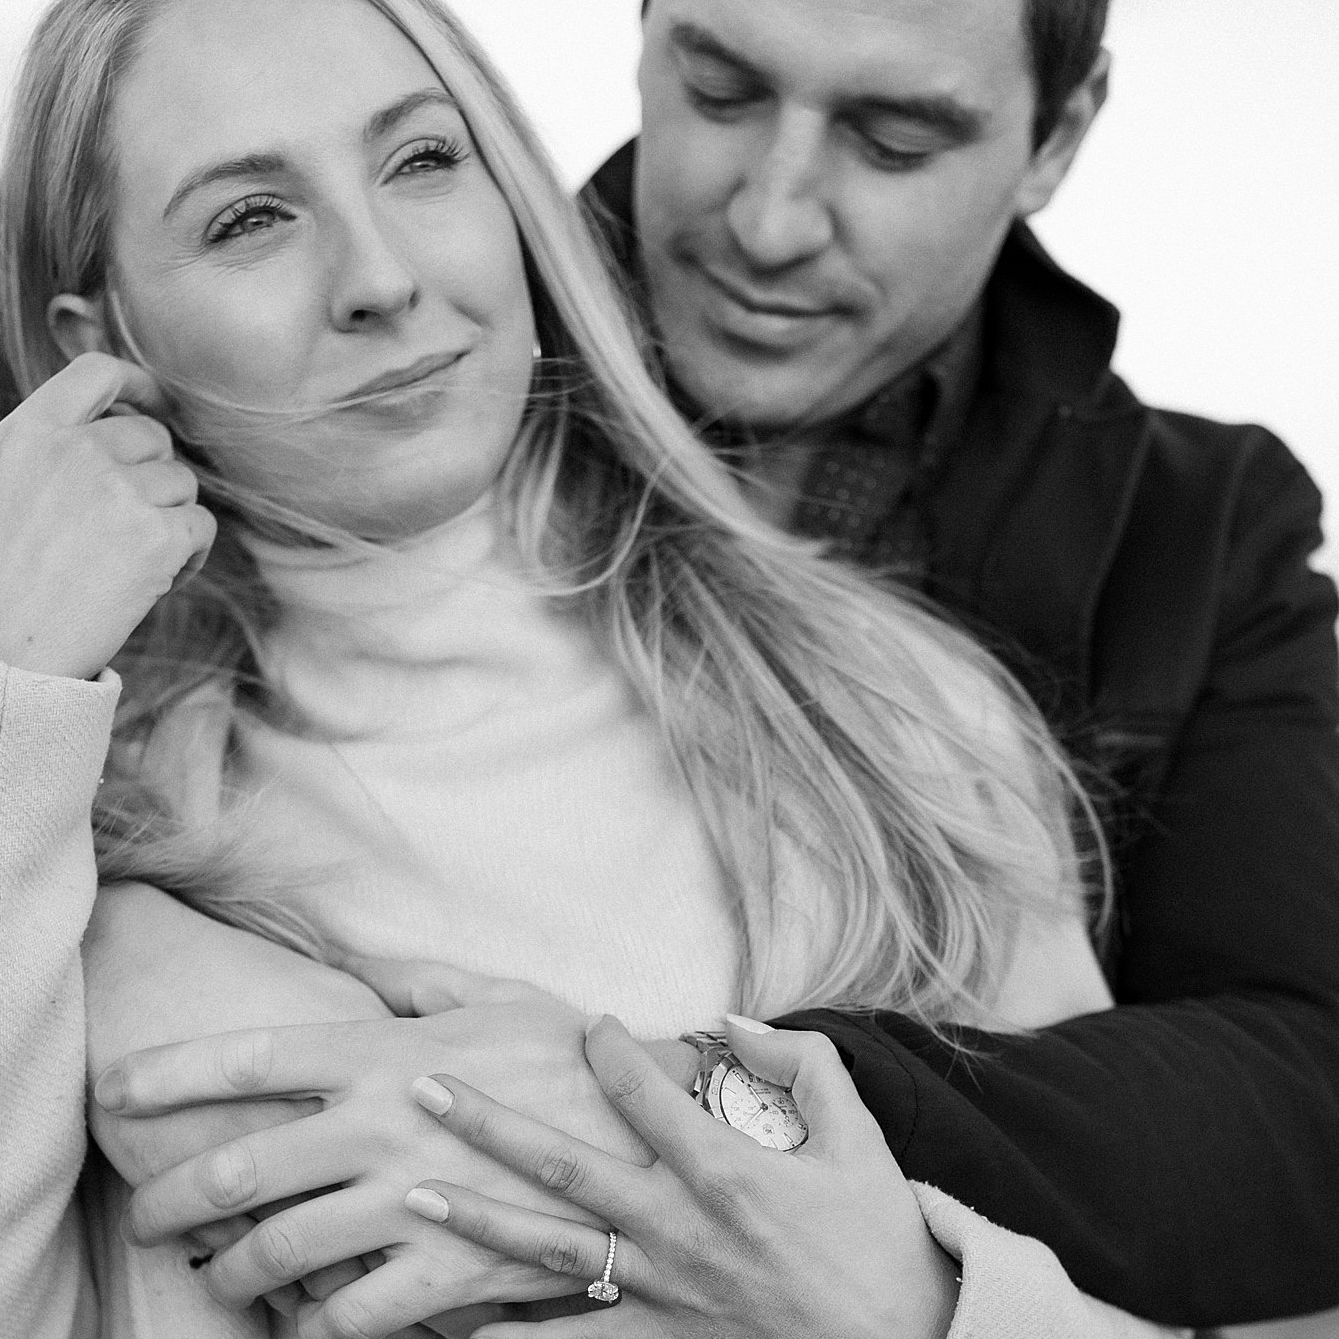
891, 157
719, 99
247, 217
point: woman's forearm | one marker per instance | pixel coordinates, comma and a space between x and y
157, 972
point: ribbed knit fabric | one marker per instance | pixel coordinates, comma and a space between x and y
487, 792
53, 741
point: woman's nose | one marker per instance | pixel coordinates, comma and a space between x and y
778, 215
372, 279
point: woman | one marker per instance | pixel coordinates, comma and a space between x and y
487, 661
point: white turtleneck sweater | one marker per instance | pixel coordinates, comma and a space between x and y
482, 788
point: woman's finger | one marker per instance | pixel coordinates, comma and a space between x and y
258, 1062
556, 1244
627, 1320
579, 1172
164, 483
664, 1115
132, 438
387, 1301
331, 1230
321, 1283
261, 1168
91, 384
808, 1064
416, 988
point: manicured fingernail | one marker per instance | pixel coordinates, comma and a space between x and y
110, 1090
428, 1204
430, 1094
749, 1024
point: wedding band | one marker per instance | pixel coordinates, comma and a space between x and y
602, 1290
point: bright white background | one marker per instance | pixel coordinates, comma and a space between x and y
1206, 204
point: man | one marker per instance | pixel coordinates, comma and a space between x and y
824, 216
824, 210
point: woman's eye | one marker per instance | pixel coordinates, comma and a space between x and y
433, 156
248, 217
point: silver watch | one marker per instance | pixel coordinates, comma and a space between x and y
764, 1111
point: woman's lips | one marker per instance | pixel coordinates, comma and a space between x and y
409, 399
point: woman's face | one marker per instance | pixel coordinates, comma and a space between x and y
302, 217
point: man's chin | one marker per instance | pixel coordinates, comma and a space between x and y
785, 398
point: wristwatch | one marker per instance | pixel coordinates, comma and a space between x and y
764, 1111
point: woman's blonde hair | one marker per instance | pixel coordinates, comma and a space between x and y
816, 718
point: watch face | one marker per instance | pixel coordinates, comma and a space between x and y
764, 1111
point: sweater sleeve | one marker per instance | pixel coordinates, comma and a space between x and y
1014, 1288
54, 736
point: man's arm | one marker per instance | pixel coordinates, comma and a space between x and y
1178, 1152
53, 740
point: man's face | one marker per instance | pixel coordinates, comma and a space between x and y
823, 187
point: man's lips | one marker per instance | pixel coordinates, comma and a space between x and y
761, 303
772, 322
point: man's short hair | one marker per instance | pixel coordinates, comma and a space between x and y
1064, 37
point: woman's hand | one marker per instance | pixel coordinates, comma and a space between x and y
720, 1238
369, 1139
96, 517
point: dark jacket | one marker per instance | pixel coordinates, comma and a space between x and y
1145, 573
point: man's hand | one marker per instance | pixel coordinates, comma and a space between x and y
96, 517
370, 1139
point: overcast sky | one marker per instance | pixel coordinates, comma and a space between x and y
1206, 204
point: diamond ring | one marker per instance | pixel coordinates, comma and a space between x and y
602, 1290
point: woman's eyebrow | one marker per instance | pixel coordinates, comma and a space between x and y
267, 164
249, 165
386, 120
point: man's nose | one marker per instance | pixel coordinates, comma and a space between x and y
371, 279
779, 215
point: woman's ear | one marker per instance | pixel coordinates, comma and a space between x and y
78, 325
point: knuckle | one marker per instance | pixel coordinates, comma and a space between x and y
244, 1060
726, 1192
279, 1251
626, 1086
476, 1124
142, 1223
347, 1318
560, 1254
559, 1170
228, 1177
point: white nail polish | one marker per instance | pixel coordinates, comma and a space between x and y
428, 1204
748, 1024
430, 1094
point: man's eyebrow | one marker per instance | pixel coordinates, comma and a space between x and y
697, 41
938, 112
268, 164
